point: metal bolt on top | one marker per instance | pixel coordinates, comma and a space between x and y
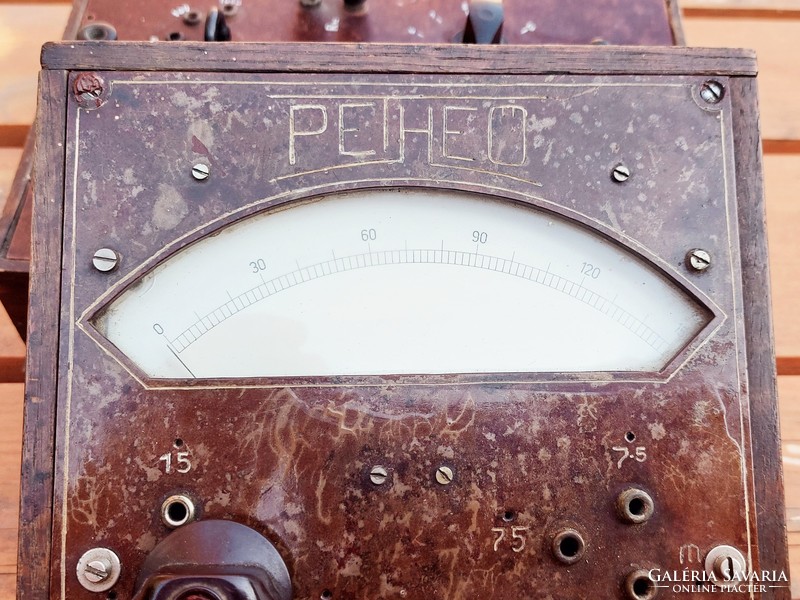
698, 259
200, 171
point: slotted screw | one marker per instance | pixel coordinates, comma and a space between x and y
620, 173
378, 475
444, 475
712, 92
96, 571
698, 259
200, 172
105, 260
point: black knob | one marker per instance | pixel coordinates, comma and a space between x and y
484, 22
217, 29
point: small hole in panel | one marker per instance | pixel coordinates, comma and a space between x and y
570, 546
642, 587
630, 436
178, 442
177, 510
639, 586
112, 595
326, 595
175, 36
636, 506
509, 516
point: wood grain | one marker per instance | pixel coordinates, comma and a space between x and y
10, 442
782, 180
40, 391
23, 29
9, 159
741, 8
766, 455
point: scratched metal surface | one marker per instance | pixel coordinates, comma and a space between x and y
291, 458
645, 22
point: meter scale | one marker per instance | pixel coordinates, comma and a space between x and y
404, 281
416, 256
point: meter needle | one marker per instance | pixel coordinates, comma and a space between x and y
175, 354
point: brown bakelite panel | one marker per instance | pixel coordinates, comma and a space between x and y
508, 485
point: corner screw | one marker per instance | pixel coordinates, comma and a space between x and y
200, 172
88, 89
698, 259
105, 260
712, 92
378, 475
444, 475
620, 173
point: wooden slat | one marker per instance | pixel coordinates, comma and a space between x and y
779, 69
782, 180
11, 396
12, 350
8, 586
23, 30
749, 8
9, 158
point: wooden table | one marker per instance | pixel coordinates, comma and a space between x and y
772, 27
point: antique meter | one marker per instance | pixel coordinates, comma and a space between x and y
406, 322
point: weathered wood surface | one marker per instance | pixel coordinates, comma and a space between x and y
771, 27
10, 442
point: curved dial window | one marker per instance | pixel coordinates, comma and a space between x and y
387, 281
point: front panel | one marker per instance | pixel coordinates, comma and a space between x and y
423, 335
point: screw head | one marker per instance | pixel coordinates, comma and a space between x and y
620, 173
712, 92
98, 569
200, 171
105, 260
444, 475
698, 259
378, 475
727, 564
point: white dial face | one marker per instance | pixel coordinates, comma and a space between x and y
392, 281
